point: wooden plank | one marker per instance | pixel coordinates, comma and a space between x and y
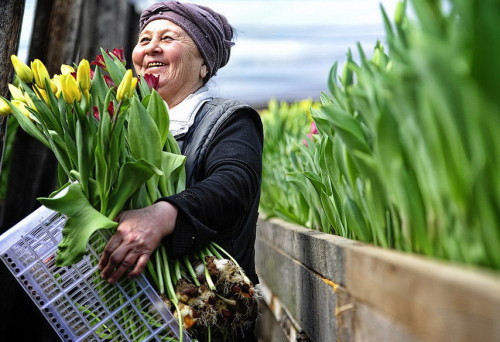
436, 301
309, 299
385, 294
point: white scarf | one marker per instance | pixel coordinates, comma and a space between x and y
182, 116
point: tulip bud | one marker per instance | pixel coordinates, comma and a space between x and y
55, 85
22, 70
69, 89
399, 13
42, 95
16, 93
83, 75
127, 86
28, 101
133, 84
40, 73
4, 108
22, 107
67, 69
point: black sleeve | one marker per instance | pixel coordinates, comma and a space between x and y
231, 175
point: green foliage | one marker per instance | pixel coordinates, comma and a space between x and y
407, 150
288, 153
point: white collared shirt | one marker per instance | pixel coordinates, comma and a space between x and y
182, 116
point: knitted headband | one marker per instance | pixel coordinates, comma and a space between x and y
209, 30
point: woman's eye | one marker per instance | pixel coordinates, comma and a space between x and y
167, 38
144, 40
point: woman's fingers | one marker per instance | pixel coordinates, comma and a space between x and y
111, 246
116, 259
140, 265
124, 266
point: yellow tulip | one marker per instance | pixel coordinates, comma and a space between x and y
83, 75
16, 93
55, 85
4, 108
42, 95
40, 73
69, 89
127, 86
28, 101
133, 84
22, 70
67, 69
22, 107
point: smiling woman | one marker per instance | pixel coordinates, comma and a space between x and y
184, 45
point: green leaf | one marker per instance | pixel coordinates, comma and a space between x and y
115, 68
84, 149
347, 127
132, 175
157, 108
27, 125
143, 135
173, 180
83, 221
332, 78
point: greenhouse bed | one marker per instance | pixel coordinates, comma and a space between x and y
337, 289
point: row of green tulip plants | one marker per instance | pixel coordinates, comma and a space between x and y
407, 146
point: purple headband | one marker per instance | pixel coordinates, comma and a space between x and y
209, 30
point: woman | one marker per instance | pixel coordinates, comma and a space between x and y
185, 44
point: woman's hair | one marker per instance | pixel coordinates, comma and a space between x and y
209, 30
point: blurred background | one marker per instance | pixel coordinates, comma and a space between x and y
284, 48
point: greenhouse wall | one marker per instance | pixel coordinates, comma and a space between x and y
322, 287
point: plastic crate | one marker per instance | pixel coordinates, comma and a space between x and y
78, 304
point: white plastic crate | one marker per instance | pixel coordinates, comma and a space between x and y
78, 304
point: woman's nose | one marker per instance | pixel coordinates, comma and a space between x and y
153, 47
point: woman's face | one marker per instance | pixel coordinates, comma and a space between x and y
166, 50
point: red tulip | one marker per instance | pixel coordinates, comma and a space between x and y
109, 81
152, 81
99, 61
314, 129
111, 109
119, 53
96, 113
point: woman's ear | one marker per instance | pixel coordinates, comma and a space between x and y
203, 71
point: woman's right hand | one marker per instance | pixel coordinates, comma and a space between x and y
139, 233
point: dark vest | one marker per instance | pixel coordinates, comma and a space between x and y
194, 145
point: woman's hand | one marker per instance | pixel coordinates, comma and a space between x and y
139, 233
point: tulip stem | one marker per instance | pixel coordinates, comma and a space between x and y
115, 115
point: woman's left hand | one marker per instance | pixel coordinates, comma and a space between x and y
138, 234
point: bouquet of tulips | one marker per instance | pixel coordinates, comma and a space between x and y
110, 134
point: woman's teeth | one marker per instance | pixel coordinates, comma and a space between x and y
155, 64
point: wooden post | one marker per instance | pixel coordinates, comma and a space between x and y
10, 31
